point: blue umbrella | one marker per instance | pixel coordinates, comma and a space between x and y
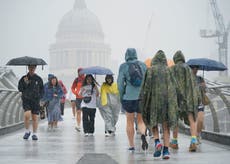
96, 70
206, 64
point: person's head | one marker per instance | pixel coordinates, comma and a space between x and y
78, 71
54, 81
89, 79
32, 69
159, 58
50, 76
194, 69
109, 79
179, 57
130, 54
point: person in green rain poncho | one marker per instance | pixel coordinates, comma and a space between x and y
159, 102
188, 99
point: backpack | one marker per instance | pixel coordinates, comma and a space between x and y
135, 74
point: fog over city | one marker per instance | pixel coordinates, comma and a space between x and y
28, 27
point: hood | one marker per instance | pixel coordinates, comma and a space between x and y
50, 76
159, 58
130, 54
178, 57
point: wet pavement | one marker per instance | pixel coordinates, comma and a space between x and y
65, 145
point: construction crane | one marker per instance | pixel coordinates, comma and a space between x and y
221, 33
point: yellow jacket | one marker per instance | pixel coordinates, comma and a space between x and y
108, 89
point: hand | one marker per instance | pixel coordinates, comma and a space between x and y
26, 80
55, 95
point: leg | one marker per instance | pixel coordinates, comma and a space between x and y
85, 120
193, 132
142, 129
73, 105
200, 122
78, 118
166, 135
174, 141
130, 128
35, 122
92, 113
27, 115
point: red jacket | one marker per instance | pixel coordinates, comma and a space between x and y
76, 86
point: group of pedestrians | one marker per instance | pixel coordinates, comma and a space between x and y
153, 96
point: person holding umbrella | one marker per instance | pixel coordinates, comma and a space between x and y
200, 115
31, 86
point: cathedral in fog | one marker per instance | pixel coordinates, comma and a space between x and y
79, 43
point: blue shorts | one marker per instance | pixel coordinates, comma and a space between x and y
131, 106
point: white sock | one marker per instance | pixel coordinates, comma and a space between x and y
27, 130
34, 133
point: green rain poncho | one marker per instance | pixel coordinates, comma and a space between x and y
186, 86
158, 95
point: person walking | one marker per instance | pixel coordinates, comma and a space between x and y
72, 98
31, 86
52, 96
202, 90
129, 83
187, 98
63, 98
89, 92
76, 86
110, 105
159, 103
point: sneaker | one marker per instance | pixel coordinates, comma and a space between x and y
34, 137
192, 147
107, 134
86, 134
131, 149
90, 134
166, 154
174, 144
158, 149
26, 136
77, 128
144, 142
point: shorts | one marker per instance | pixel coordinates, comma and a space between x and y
131, 106
32, 106
200, 108
78, 103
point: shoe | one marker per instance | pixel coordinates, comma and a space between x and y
77, 128
111, 133
192, 147
26, 136
131, 149
86, 134
34, 137
166, 154
107, 134
90, 134
158, 149
174, 144
144, 142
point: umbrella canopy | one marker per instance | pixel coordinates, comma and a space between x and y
149, 60
206, 64
26, 60
96, 70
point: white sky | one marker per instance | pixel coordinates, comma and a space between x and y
28, 27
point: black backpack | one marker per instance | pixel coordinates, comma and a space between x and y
135, 74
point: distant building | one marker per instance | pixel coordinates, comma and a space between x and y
79, 43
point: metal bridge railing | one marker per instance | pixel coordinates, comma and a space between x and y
11, 112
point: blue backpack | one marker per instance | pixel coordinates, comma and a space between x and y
135, 74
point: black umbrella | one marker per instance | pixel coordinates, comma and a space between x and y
26, 60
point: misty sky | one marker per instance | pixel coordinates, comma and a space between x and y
28, 27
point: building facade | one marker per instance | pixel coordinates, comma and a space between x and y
79, 43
